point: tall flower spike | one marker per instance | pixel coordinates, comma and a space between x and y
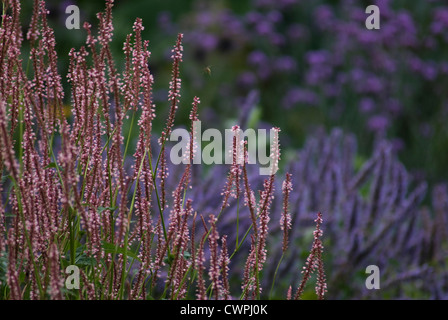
192, 147
224, 264
248, 274
175, 84
249, 197
6, 146
12, 275
200, 269
266, 197
237, 158
289, 293
275, 151
285, 220
2, 216
214, 263
173, 98
232, 187
314, 262
55, 278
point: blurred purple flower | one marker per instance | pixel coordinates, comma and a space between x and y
407, 28
394, 106
257, 58
264, 28
231, 24
253, 17
274, 16
247, 79
366, 105
426, 130
317, 57
368, 37
443, 67
397, 144
285, 64
299, 95
429, 70
275, 3
260, 60
385, 62
208, 41
320, 68
378, 123
324, 15
373, 84
276, 39
165, 23
204, 19
297, 32
440, 20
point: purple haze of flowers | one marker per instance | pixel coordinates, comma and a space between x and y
378, 123
299, 95
247, 79
440, 21
285, 64
257, 58
373, 216
366, 105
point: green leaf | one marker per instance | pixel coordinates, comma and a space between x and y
111, 248
169, 259
101, 209
80, 250
3, 267
85, 261
51, 165
254, 117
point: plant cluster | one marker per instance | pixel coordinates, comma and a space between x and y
73, 194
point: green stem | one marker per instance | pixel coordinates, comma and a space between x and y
126, 237
129, 136
275, 275
237, 219
159, 204
72, 237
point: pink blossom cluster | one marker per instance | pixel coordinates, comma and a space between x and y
77, 196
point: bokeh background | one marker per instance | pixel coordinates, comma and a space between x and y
300, 65
304, 66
